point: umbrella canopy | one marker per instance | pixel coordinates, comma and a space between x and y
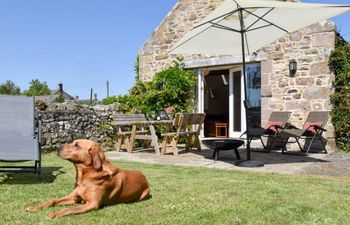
240, 25
264, 22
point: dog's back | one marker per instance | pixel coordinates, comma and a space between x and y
134, 186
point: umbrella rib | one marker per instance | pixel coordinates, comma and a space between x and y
246, 42
268, 25
275, 25
260, 18
222, 17
224, 27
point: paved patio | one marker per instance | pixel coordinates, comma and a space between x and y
274, 162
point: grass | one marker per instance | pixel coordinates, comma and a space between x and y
183, 195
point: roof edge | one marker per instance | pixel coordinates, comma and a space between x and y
161, 23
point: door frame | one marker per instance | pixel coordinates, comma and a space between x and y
233, 133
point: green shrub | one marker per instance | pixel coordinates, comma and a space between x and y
340, 65
110, 100
172, 88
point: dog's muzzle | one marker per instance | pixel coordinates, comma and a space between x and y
60, 149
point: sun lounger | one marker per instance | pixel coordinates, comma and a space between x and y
20, 134
311, 132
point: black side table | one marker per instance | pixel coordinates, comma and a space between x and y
219, 144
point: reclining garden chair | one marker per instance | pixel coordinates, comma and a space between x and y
187, 125
311, 131
276, 123
20, 134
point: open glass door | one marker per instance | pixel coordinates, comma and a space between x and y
254, 94
237, 110
237, 115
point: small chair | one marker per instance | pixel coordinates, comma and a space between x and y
20, 134
311, 131
276, 123
187, 125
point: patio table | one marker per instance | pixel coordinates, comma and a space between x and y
151, 135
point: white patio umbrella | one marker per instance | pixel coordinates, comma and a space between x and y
237, 26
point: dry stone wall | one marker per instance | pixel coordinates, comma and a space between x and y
63, 123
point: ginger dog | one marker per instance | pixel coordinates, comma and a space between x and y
98, 182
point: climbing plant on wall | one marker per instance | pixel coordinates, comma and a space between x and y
340, 65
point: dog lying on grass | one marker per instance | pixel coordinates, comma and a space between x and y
98, 182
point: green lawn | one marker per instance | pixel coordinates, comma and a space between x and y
184, 195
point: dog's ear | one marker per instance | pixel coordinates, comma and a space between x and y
96, 160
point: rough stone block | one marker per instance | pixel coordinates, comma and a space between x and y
299, 105
317, 107
316, 93
161, 57
266, 91
296, 36
319, 68
324, 26
323, 39
266, 66
305, 81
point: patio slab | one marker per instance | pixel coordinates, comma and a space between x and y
274, 162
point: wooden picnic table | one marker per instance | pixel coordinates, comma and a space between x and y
151, 135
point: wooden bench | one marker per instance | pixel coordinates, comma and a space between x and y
123, 123
187, 125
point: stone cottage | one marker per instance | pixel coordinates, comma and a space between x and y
220, 89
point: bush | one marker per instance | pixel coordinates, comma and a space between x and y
340, 65
172, 88
110, 100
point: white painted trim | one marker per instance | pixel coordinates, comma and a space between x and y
233, 133
200, 96
243, 113
231, 98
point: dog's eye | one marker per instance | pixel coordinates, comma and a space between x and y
76, 145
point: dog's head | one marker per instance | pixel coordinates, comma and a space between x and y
82, 151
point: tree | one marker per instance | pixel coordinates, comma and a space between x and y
9, 88
37, 88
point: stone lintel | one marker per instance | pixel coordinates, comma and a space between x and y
220, 61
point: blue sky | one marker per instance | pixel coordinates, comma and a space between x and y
83, 43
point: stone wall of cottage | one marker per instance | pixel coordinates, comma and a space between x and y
311, 87
63, 123
181, 19
185, 14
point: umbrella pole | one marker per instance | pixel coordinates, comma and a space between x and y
242, 31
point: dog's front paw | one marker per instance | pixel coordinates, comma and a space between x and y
52, 216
